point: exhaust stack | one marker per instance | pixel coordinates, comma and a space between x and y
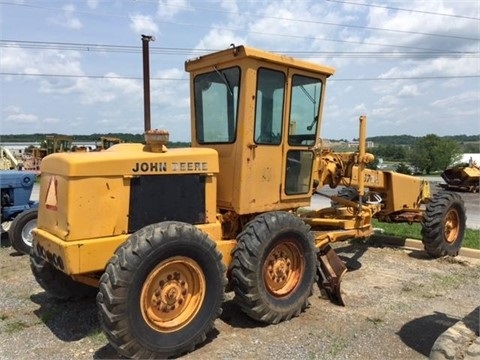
146, 80
156, 140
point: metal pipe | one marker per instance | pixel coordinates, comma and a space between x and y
361, 158
146, 81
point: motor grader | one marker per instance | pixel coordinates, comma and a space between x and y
159, 235
462, 177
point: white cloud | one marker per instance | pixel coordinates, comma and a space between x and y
92, 4
166, 92
463, 98
51, 120
408, 91
16, 115
167, 9
143, 24
13, 58
46, 62
220, 39
67, 18
229, 5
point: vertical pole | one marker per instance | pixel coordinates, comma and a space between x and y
146, 81
361, 156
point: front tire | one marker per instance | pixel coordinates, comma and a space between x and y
274, 267
161, 291
20, 231
443, 226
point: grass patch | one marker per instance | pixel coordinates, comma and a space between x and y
15, 326
413, 231
338, 345
97, 335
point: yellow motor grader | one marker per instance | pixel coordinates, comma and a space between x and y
462, 177
159, 235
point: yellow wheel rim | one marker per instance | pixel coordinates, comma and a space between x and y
283, 269
172, 294
451, 228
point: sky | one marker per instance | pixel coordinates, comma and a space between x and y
75, 67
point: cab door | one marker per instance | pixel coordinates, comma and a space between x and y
264, 161
304, 107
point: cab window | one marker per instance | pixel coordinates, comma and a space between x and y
269, 107
304, 108
216, 105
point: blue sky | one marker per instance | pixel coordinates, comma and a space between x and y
413, 67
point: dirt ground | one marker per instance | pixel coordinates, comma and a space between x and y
398, 302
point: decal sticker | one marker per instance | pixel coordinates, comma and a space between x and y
51, 198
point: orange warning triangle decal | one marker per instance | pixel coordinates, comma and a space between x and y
51, 198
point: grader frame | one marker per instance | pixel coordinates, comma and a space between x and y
159, 235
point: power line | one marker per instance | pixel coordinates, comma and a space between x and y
89, 47
401, 9
318, 22
274, 34
134, 49
185, 79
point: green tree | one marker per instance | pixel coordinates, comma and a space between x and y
432, 153
374, 164
403, 168
391, 152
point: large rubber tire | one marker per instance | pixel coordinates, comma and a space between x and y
274, 267
20, 231
56, 283
443, 225
162, 291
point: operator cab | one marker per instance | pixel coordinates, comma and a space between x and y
262, 113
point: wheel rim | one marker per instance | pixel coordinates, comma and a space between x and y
172, 294
452, 226
283, 268
27, 235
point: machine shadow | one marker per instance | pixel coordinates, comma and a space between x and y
420, 334
352, 253
62, 318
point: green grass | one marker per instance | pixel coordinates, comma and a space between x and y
16, 326
403, 230
97, 335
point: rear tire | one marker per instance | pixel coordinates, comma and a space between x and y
56, 283
443, 226
20, 231
161, 291
274, 267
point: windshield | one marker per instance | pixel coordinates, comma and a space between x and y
216, 105
304, 109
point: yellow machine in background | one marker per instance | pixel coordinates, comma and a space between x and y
105, 142
51, 145
160, 234
462, 177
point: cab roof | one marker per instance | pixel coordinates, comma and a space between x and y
241, 51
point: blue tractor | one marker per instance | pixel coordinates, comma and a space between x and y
18, 212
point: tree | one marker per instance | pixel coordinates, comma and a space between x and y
374, 164
403, 168
390, 152
432, 153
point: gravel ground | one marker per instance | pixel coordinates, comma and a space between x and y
398, 303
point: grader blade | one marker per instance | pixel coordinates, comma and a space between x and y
331, 271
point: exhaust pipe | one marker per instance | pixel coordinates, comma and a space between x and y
146, 81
